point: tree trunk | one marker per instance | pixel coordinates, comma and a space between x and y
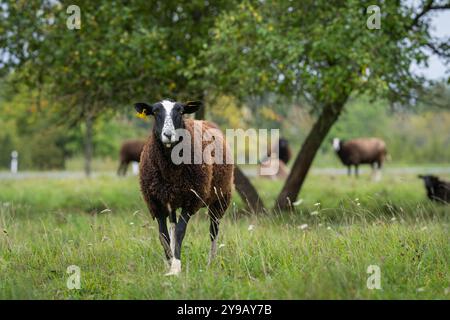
246, 190
306, 155
88, 145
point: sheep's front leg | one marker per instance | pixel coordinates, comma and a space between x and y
121, 170
374, 170
180, 231
172, 229
164, 237
377, 176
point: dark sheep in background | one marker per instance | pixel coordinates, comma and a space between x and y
437, 190
129, 151
278, 155
167, 186
361, 151
284, 151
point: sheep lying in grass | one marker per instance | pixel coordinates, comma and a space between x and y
273, 164
278, 155
129, 151
167, 186
361, 151
437, 190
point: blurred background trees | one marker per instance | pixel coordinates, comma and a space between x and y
138, 50
298, 66
323, 54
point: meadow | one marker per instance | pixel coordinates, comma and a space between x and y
320, 249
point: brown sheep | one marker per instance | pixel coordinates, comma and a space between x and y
129, 151
167, 186
361, 151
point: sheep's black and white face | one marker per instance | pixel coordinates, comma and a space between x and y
168, 118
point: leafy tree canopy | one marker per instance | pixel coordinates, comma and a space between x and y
137, 49
320, 50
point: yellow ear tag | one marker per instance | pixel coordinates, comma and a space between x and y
141, 115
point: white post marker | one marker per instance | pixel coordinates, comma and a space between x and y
135, 167
14, 161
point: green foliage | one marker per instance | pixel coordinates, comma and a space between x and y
111, 133
420, 138
8, 143
416, 135
363, 118
31, 125
139, 49
315, 49
46, 150
25, 123
411, 137
258, 54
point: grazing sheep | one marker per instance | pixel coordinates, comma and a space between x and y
129, 151
167, 186
437, 190
277, 157
361, 151
284, 151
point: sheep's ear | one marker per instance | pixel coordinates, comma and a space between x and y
192, 106
142, 107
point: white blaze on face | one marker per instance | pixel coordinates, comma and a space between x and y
168, 134
336, 144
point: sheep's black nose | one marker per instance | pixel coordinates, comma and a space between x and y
167, 134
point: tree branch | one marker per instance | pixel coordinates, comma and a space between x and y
438, 50
428, 7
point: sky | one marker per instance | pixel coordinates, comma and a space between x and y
436, 68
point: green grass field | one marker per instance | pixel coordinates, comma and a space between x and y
319, 250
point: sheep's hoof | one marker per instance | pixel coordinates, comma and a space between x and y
175, 268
